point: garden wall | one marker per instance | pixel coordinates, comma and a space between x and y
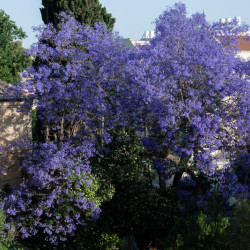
14, 126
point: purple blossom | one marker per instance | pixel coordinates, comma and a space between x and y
188, 89
46, 200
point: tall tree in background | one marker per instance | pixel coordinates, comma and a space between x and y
12, 58
86, 12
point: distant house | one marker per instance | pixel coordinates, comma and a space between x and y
145, 40
244, 41
244, 46
130, 43
14, 126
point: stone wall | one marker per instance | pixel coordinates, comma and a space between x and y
15, 126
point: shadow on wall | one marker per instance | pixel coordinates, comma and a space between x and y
15, 133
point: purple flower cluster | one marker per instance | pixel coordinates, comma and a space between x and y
227, 183
194, 89
59, 195
81, 80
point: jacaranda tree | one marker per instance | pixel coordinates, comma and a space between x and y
80, 81
80, 89
194, 95
188, 90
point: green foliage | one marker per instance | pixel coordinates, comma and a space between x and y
203, 232
199, 232
86, 12
97, 235
37, 128
6, 237
112, 241
12, 58
142, 211
239, 230
122, 159
136, 206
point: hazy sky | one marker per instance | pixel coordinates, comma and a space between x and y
133, 17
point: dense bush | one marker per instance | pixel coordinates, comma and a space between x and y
239, 229
203, 231
112, 242
6, 236
199, 232
59, 195
136, 207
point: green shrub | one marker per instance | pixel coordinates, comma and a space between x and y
136, 207
239, 230
6, 236
112, 242
200, 232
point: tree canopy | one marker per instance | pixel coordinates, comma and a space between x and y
195, 97
12, 58
86, 12
186, 96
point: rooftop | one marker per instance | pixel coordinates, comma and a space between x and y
244, 43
